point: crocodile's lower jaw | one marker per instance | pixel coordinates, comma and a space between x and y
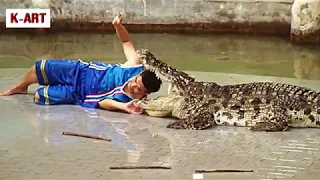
156, 113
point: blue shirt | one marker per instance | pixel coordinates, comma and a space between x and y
103, 81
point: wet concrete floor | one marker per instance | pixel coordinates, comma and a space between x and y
32, 146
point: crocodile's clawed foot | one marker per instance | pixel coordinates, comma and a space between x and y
176, 125
268, 127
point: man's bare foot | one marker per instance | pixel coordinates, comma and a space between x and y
14, 90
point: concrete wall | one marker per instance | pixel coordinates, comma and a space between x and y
305, 23
172, 16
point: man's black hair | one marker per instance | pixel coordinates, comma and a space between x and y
150, 81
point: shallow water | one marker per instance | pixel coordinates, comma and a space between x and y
235, 54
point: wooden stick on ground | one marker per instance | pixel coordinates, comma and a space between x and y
140, 167
222, 170
85, 136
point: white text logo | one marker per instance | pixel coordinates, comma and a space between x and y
28, 18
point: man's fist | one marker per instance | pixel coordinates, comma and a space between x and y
117, 20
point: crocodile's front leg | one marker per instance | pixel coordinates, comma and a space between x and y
200, 121
196, 117
177, 124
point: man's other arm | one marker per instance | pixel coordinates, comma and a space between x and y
113, 105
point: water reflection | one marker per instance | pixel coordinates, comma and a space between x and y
306, 64
227, 54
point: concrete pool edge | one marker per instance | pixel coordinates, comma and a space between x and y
255, 28
293, 19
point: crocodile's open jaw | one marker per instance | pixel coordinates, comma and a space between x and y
178, 80
164, 71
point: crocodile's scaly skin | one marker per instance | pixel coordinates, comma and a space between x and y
263, 106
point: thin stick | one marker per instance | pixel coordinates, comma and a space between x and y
222, 170
85, 136
140, 167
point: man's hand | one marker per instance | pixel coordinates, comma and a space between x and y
132, 109
117, 20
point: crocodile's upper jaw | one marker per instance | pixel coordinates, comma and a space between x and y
165, 72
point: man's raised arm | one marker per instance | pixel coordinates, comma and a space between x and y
127, 45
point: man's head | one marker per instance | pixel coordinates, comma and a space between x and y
145, 83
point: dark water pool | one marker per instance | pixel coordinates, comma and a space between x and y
222, 53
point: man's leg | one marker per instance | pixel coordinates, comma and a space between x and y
22, 86
47, 72
54, 95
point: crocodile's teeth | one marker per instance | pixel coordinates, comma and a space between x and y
169, 88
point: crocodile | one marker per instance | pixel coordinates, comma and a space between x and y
261, 106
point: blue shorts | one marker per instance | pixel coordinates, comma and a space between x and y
61, 80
